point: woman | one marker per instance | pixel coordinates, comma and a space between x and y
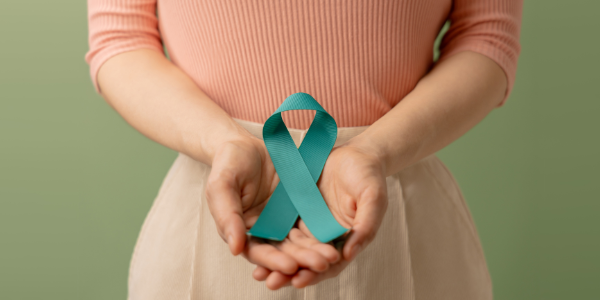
370, 65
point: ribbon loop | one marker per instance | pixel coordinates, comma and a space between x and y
299, 169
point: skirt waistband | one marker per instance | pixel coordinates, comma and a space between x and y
344, 133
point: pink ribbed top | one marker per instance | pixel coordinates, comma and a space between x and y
358, 58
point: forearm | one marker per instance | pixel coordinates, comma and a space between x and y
163, 103
456, 95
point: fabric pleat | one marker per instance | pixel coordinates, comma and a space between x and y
426, 248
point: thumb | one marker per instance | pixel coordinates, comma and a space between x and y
370, 210
226, 208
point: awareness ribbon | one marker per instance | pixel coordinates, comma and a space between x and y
299, 170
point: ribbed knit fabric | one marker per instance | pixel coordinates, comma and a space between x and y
358, 58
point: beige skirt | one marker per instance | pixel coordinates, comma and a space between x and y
426, 248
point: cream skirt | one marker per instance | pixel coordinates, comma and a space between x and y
426, 248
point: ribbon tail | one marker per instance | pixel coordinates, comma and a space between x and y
277, 218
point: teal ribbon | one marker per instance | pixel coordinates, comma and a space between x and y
299, 169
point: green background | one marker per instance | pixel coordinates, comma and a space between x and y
76, 181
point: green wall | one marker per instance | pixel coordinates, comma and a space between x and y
76, 181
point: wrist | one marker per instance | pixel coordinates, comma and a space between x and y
367, 145
204, 148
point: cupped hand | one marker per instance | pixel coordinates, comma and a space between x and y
241, 180
354, 186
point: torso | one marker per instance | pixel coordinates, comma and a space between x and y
358, 58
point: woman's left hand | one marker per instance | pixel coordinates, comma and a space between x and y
353, 183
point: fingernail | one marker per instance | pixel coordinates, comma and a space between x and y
355, 250
229, 239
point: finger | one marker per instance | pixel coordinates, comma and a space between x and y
328, 251
270, 257
260, 273
307, 258
226, 208
251, 215
277, 280
303, 278
302, 226
369, 213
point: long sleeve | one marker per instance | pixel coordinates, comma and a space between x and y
491, 28
117, 26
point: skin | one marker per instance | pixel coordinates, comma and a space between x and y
456, 95
163, 103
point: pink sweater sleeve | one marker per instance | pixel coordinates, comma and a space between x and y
117, 26
491, 28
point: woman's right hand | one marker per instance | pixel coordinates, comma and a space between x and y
165, 104
241, 180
